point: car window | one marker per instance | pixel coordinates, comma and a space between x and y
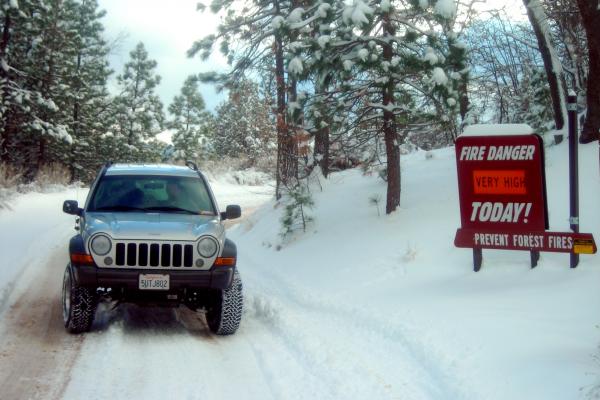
152, 193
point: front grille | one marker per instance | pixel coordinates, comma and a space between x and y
154, 255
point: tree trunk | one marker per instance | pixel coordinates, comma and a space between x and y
552, 65
5, 131
323, 123
322, 148
281, 120
392, 148
590, 14
293, 134
464, 98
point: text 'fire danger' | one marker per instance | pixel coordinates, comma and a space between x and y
497, 153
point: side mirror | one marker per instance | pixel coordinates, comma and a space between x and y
231, 212
71, 207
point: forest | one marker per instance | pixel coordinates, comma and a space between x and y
313, 86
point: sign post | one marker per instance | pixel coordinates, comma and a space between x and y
573, 170
502, 191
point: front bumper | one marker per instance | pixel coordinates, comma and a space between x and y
122, 278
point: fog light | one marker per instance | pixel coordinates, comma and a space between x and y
199, 262
108, 261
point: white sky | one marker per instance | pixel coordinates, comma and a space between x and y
514, 8
169, 29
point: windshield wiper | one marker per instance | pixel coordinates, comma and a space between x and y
119, 207
171, 209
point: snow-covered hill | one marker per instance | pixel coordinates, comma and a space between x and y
388, 302
361, 306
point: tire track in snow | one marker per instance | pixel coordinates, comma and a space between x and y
37, 354
347, 369
436, 379
148, 352
332, 367
282, 386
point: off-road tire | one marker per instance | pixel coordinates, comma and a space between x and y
78, 304
224, 311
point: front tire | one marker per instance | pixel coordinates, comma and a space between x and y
224, 312
78, 304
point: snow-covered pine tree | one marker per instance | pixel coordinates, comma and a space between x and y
138, 110
320, 111
12, 89
256, 35
87, 105
508, 75
243, 127
35, 52
590, 14
190, 123
388, 61
552, 65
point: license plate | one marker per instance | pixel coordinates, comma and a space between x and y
154, 282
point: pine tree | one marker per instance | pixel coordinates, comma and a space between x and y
190, 123
552, 64
35, 53
261, 32
591, 18
243, 127
138, 110
87, 108
385, 70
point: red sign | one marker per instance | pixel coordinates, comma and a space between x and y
501, 182
502, 191
559, 242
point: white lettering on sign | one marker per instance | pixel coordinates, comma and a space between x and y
497, 153
560, 242
528, 241
511, 153
491, 239
500, 212
472, 153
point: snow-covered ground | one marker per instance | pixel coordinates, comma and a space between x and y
360, 306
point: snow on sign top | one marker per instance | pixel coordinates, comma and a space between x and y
497, 130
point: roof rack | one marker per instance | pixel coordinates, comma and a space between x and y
191, 165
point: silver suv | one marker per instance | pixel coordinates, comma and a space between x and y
153, 235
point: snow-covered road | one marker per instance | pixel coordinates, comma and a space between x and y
361, 306
293, 344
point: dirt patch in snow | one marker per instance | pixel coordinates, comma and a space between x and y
37, 354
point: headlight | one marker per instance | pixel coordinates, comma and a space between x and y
101, 245
207, 247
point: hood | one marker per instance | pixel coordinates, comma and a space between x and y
152, 226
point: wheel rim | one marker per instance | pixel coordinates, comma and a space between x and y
66, 296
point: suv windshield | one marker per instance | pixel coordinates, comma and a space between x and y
176, 194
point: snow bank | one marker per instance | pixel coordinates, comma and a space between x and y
505, 332
497, 130
360, 306
33, 226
